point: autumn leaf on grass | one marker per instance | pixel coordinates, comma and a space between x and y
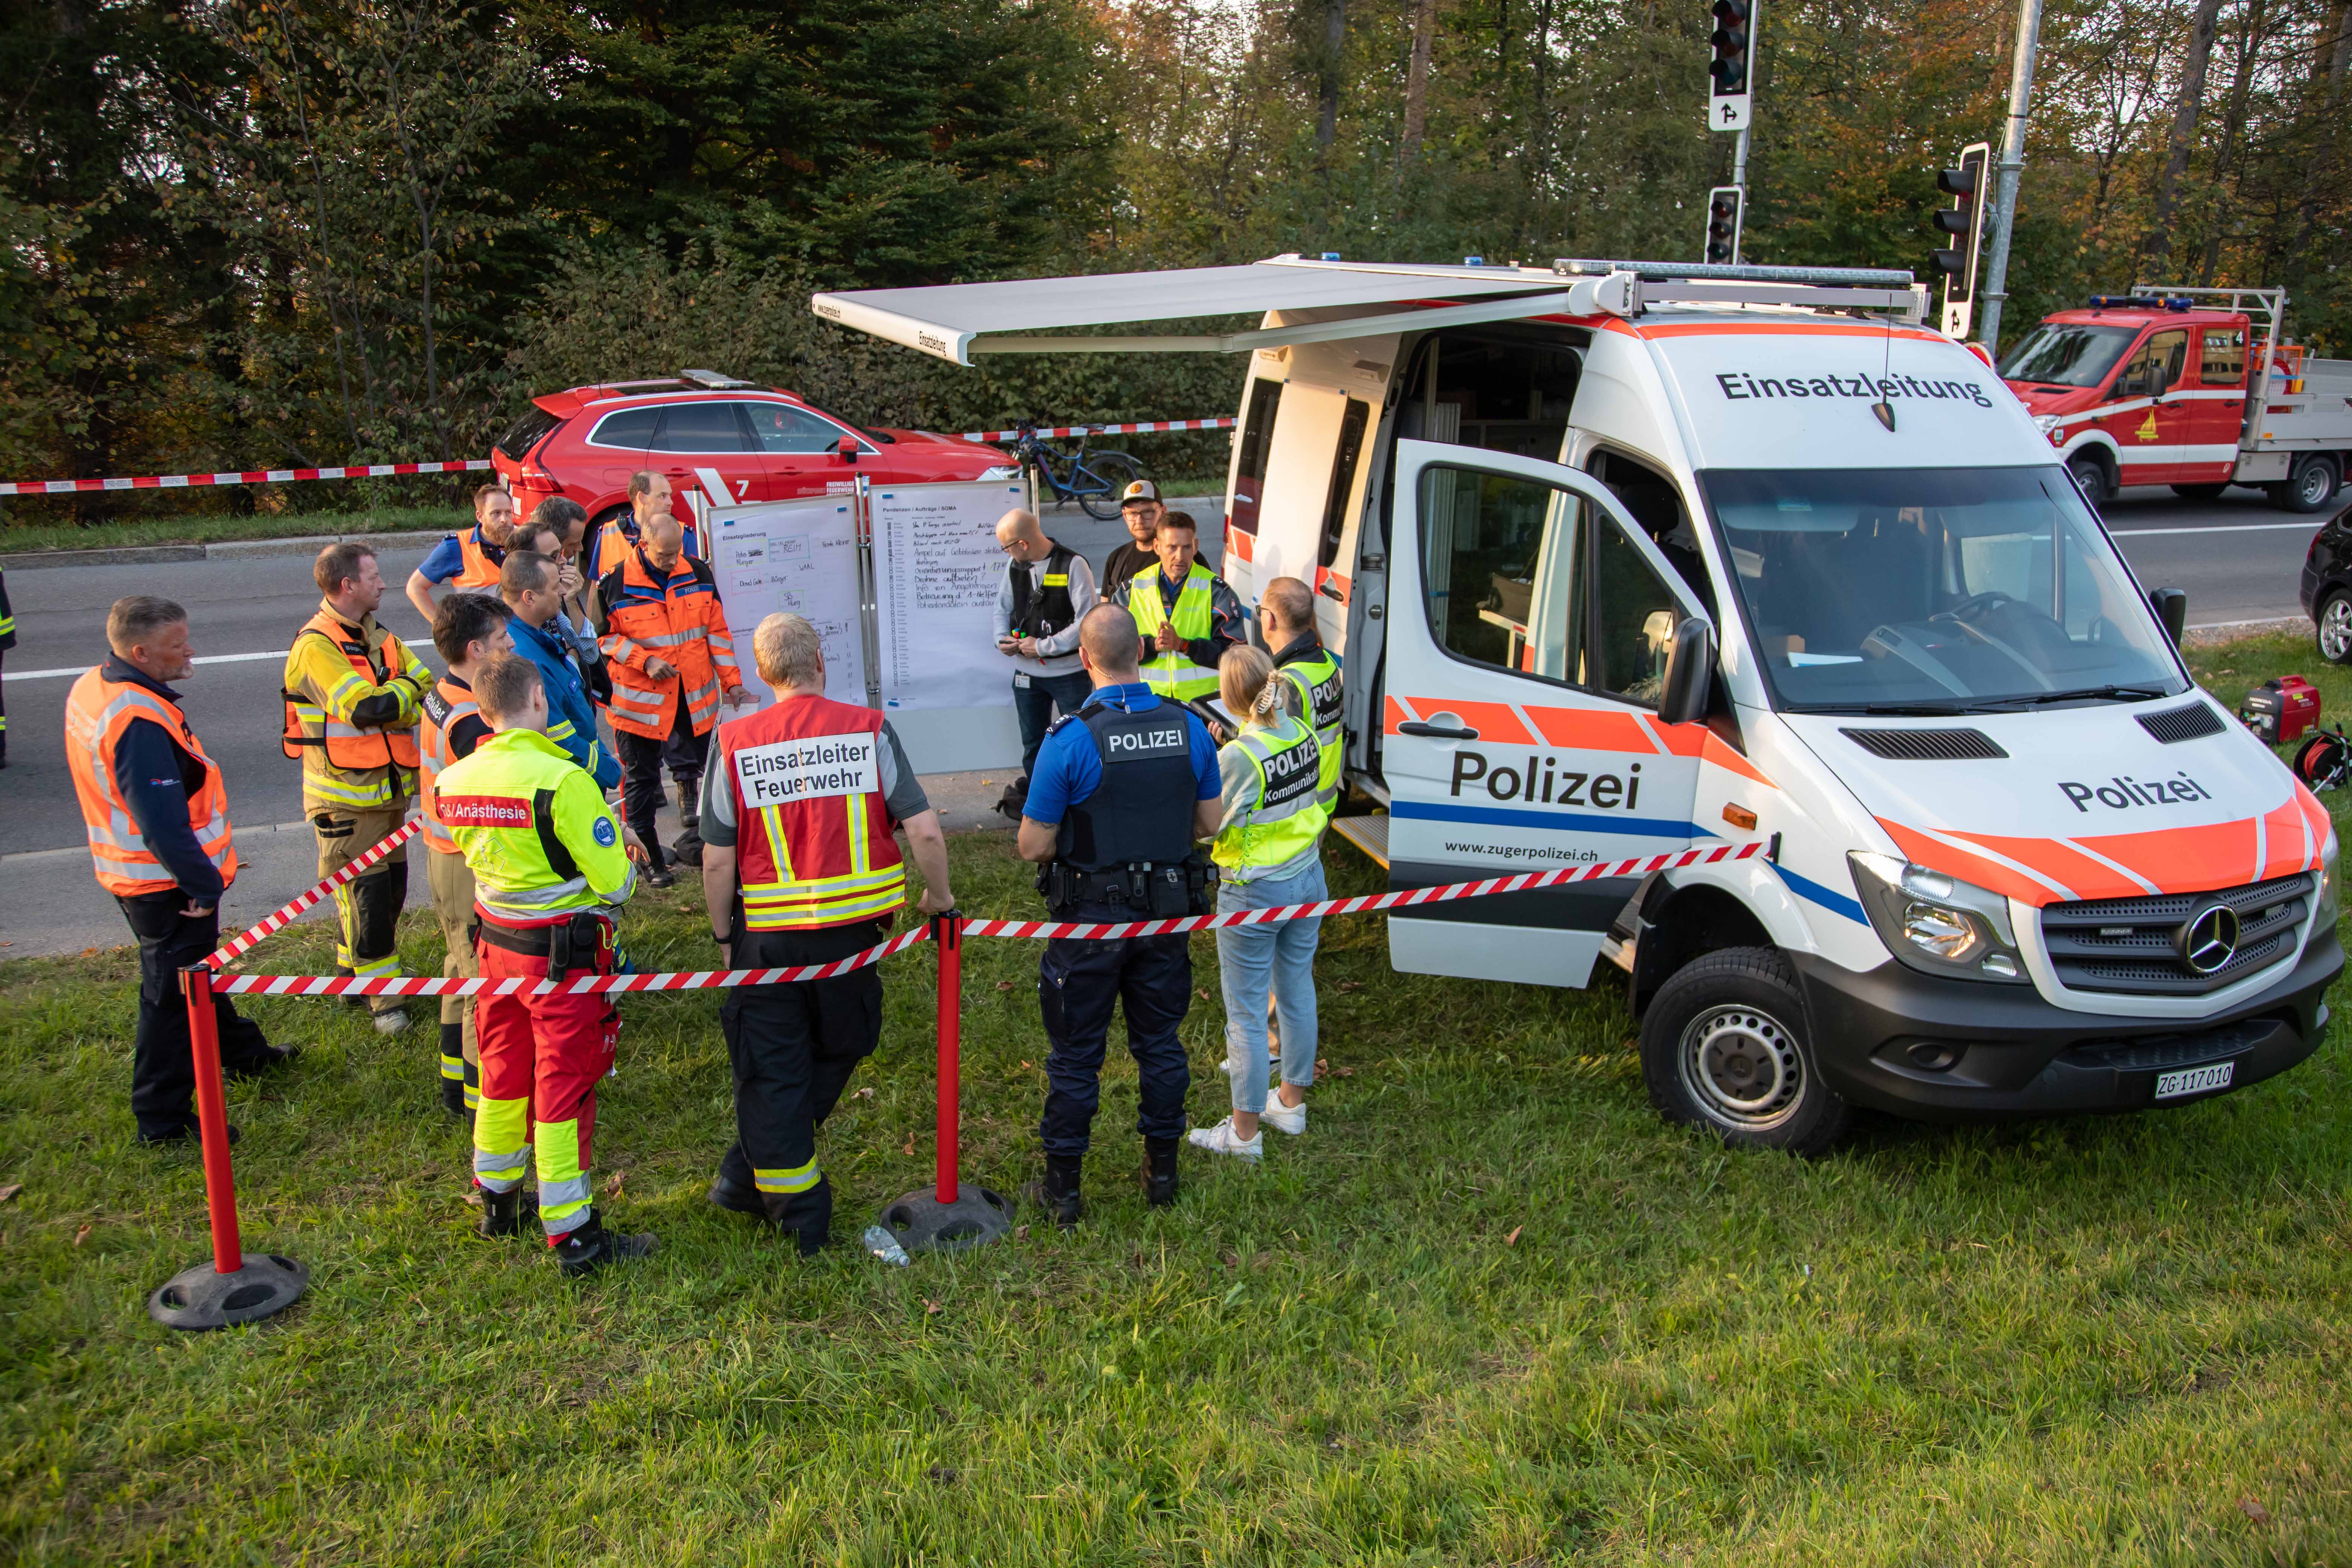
1351, 985
613, 1187
2253, 1510
81, 1236
931, 1309
1512, 1239
10, 1191
1004, 985
866, 1093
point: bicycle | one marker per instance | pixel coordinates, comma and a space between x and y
1094, 479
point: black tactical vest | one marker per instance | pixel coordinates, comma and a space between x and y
1045, 607
1142, 810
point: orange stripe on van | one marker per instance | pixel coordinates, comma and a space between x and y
1776, 329
1591, 729
1241, 546
1395, 711
2185, 859
2079, 874
1698, 741
1494, 721
1939, 856
2287, 844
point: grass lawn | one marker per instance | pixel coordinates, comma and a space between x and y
1489, 1310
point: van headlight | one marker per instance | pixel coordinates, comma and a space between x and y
2329, 903
1937, 923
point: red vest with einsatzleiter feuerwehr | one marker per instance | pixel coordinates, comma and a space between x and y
813, 842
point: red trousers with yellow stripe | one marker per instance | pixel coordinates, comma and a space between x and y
541, 1058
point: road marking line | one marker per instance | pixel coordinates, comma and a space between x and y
213, 659
2219, 528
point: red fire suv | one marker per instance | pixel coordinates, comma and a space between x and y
722, 442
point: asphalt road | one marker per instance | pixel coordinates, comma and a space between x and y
236, 608
2237, 559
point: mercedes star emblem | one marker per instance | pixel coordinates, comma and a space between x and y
2209, 939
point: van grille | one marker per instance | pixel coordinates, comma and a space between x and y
1927, 745
2126, 945
2188, 723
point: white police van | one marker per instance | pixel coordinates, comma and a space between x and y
1625, 558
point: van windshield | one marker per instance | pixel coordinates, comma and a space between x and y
2067, 353
1934, 590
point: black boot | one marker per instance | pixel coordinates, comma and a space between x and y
689, 801
735, 1196
1159, 1172
588, 1247
1057, 1195
808, 1216
502, 1213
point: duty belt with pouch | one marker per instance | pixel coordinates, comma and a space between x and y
1166, 890
572, 943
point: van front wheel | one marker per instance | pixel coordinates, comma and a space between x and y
1724, 1048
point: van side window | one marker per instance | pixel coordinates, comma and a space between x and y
2221, 357
2155, 367
1526, 578
1657, 505
1343, 476
1256, 442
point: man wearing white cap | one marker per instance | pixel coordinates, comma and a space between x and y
1140, 509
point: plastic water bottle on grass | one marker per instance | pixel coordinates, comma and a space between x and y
885, 1245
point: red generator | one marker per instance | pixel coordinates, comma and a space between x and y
2281, 710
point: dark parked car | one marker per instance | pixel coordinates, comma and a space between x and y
2327, 587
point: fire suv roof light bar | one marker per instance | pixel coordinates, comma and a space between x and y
1719, 272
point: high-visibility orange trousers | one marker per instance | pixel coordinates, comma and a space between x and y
542, 1058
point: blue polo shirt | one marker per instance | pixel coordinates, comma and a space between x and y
1068, 770
571, 717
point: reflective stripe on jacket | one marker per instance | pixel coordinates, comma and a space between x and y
98, 710
813, 845
448, 704
677, 620
617, 541
1283, 822
534, 830
1316, 677
1172, 674
353, 695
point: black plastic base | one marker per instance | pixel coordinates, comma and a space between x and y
200, 1297
923, 1224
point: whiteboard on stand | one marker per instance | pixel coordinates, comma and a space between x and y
948, 691
799, 556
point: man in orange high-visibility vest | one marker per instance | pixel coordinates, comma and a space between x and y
157, 816
467, 563
672, 662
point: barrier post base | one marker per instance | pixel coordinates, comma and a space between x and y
923, 1224
200, 1297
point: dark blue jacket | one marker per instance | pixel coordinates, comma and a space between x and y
156, 777
571, 717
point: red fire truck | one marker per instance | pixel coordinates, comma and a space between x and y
2151, 388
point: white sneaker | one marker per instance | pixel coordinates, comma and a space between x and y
1221, 1140
1290, 1118
391, 1023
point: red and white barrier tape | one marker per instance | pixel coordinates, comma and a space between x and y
242, 477
1525, 881
701, 980
578, 985
1142, 428
294, 907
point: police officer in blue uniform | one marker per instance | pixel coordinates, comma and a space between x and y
1123, 791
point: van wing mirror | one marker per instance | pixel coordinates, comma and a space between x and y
1690, 670
2171, 607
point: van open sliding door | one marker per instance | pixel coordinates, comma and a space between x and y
1527, 647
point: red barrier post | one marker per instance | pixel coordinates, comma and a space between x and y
235, 1287
946, 936
211, 1118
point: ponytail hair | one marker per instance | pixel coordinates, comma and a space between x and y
1247, 681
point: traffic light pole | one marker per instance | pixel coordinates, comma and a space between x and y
2011, 166
1739, 178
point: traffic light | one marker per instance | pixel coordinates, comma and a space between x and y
1723, 214
1963, 223
1729, 67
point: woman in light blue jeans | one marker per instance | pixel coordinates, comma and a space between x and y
1268, 853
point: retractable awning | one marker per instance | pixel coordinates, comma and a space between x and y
957, 321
